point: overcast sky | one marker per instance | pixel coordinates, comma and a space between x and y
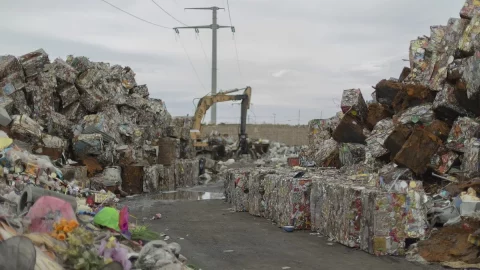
297, 55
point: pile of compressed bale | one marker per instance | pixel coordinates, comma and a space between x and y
96, 115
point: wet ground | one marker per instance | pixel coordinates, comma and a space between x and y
212, 237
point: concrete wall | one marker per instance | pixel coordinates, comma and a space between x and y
290, 135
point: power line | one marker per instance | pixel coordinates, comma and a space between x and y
234, 41
166, 12
138, 18
191, 63
203, 49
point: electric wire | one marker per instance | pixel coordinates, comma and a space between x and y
191, 63
138, 18
166, 12
203, 49
234, 40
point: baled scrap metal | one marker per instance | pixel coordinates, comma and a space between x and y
141, 90
75, 112
128, 78
350, 130
471, 158
104, 123
59, 125
9, 64
469, 41
397, 139
377, 138
79, 63
391, 172
439, 129
26, 127
416, 115
186, 174
151, 178
327, 154
404, 74
376, 113
455, 69
43, 96
63, 71
443, 160
453, 33
88, 144
351, 153
410, 96
354, 104
168, 179
469, 76
239, 185
446, 105
169, 150
470, 9
132, 179
20, 105
418, 62
89, 82
7, 103
68, 95
34, 62
411, 157
293, 205
150, 154
5, 118
14, 81
463, 129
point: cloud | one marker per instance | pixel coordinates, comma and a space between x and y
296, 55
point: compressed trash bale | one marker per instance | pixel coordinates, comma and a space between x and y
443, 160
419, 114
351, 153
69, 94
411, 157
386, 90
239, 184
420, 63
439, 129
151, 178
397, 139
5, 118
88, 144
132, 179
469, 76
59, 125
92, 97
453, 33
9, 64
79, 63
350, 130
389, 173
446, 105
455, 69
75, 112
20, 105
412, 95
168, 179
469, 40
377, 138
354, 104
34, 62
327, 154
471, 158
169, 150
25, 127
63, 71
463, 129
376, 112
14, 81
141, 90
405, 72
470, 9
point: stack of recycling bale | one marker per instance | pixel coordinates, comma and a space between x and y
78, 109
433, 106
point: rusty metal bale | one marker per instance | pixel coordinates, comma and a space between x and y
386, 90
350, 130
132, 179
410, 156
169, 150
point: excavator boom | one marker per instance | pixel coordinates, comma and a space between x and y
207, 101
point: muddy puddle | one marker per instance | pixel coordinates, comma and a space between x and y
183, 195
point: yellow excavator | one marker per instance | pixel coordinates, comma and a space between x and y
206, 102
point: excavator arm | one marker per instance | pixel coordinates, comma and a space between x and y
207, 101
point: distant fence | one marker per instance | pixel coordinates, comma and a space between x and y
290, 135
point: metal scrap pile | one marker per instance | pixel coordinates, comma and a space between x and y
92, 120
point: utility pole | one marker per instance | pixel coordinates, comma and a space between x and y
214, 26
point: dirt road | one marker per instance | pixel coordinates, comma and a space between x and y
214, 238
